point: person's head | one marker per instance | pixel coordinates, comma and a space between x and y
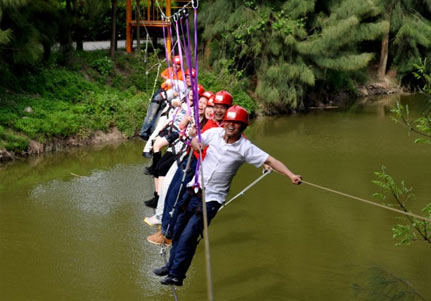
176, 61
188, 75
203, 100
222, 101
201, 90
235, 121
209, 110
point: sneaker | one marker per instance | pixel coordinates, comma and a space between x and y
169, 280
152, 203
163, 271
149, 171
152, 221
158, 239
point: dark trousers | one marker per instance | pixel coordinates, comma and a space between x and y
188, 228
168, 221
154, 107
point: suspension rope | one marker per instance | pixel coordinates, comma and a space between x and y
206, 236
241, 193
367, 201
159, 61
146, 62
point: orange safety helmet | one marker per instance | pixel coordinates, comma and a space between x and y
237, 113
223, 98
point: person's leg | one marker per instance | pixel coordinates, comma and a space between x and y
152, 111
185, 246
159, 143
164, 190
177, 188
161, 123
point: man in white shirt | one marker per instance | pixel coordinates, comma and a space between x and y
227, 151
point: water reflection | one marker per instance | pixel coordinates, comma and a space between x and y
83, 237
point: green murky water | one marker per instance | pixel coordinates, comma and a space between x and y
64, 237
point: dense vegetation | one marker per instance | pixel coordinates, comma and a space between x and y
94, 94
288, 49
279, 55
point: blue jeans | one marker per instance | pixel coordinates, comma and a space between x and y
188, 228
168, 222
153, 109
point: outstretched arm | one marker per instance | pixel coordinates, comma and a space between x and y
281, 168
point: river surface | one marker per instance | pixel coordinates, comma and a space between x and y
72, 224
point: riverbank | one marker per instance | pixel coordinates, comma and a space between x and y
95, 99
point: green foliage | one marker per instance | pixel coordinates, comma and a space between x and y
421, 125
66, 102
103, 65
287, 48
28, 28
423, 75
12, 142
410, 30
226, 81
401, 194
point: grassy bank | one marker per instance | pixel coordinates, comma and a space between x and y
93, 92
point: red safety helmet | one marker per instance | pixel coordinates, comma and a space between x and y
187, 72
176, 60
201, 90
210, 101
223, 98
207, 94
236, 113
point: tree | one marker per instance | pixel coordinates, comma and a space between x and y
409, 35
113, 46
6, 33
286, 47
28, 30
401, 194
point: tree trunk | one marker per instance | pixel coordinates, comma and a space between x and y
66, 33
114, 29
381, 72
383, 56
78, 29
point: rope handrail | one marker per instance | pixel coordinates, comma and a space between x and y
367, 201
264, 174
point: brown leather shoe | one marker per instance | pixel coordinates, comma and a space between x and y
158, 238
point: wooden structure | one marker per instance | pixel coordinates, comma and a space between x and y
150, 17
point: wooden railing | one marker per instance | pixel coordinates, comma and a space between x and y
149, 15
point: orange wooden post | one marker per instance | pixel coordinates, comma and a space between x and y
129, 39
168, 38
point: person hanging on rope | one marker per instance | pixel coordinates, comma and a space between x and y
222, 102
180, 150
171, 76
227, 151
174, 99
174, 135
